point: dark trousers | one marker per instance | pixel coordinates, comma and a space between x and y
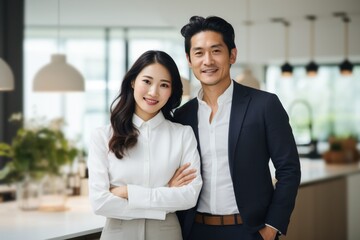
230, 232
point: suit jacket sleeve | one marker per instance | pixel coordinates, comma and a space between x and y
284, 155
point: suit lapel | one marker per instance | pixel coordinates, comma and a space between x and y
239, 106
193, 120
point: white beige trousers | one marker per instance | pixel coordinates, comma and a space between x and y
142, 229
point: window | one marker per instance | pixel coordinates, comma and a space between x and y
327, 103
101, 55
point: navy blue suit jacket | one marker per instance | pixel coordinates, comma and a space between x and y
259, 131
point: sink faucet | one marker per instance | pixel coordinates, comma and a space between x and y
312, 144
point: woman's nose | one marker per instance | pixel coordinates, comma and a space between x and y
153, 91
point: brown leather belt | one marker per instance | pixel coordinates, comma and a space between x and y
218, 220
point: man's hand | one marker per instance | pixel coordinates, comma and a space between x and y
182, 176
120, 191
268, 233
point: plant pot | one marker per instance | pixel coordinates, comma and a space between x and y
28, 194
53, 193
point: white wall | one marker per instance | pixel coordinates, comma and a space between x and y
267, 37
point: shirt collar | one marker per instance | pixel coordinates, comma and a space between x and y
223, 98
152, 123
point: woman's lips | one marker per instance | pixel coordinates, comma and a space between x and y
151, 101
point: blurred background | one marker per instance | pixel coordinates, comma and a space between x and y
102, 38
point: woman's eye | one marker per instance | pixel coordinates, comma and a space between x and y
146, 81
165, 85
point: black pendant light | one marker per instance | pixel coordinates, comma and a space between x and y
312, 67
286, 68
346, 67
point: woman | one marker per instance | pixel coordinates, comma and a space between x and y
133, 162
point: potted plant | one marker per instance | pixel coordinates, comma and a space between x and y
38, 150
342, 150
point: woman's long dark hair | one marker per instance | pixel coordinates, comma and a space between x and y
123, 107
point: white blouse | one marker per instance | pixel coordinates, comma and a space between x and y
162, 147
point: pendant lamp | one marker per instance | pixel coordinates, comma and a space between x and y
346, 67
246, 77
286, 68
58, 75
312, 67
6, 77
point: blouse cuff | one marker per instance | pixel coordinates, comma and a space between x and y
138, 197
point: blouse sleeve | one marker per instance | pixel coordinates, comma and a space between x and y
103, 202
171, 199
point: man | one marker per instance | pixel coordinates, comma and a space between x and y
239, 129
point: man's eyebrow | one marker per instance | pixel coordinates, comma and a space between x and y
213, 46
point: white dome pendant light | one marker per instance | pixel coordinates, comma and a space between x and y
58, 75
246, 77
6, 77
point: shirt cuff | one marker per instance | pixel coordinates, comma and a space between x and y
273, 228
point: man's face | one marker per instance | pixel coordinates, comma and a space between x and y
209, 58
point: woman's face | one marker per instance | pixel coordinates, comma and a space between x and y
152, 90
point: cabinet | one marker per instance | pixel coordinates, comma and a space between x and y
320, 211
353, 193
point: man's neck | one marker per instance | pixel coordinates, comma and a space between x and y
213, 92
211, 95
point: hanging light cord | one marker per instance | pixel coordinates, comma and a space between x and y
312, 36
346, 36
58, 26
286, 24
248, 24
286, 34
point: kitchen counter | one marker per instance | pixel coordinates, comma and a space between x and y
77, 220
327, 202
316, 170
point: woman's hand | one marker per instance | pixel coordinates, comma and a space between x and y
182, 176
121, 191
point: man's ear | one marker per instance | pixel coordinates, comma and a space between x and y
188, 60
233, 54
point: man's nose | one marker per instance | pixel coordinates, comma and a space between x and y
208, 59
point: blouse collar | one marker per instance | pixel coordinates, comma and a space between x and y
152, 123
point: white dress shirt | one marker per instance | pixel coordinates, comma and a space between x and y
162, 147
217, 196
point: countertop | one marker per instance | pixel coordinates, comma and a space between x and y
79, 220
316, 170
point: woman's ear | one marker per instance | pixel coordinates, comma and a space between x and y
132, 84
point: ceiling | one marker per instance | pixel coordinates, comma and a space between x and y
266, 36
